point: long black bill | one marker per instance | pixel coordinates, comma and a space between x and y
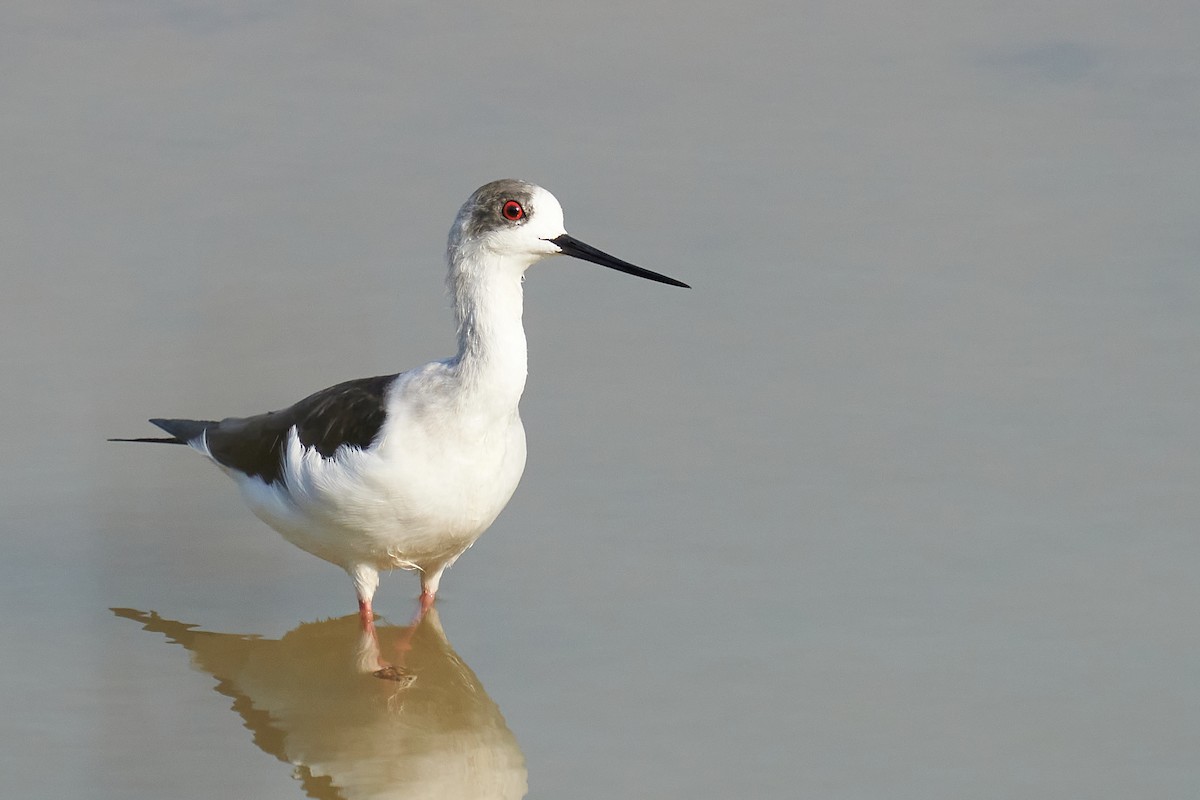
573, 247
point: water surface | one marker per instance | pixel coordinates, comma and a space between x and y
898, 501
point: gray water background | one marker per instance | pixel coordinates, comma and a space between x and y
900, 501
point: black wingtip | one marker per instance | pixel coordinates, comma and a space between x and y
182, 431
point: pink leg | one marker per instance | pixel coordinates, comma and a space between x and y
429, 586
369, 650
366, 616
426, 603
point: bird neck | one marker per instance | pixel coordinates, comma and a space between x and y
492, 357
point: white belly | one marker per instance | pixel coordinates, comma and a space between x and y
417, 499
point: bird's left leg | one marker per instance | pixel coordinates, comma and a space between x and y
430, 578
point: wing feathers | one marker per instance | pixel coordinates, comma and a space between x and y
350, 413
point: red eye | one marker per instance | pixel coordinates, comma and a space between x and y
512, 211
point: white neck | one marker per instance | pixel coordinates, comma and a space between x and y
492, 357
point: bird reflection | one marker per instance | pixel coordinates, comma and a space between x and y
311, 700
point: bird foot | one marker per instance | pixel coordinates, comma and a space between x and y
400, 675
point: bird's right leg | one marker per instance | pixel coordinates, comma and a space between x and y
366, 581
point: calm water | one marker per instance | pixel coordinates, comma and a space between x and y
900, 501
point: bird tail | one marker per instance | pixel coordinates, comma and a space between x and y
182, 431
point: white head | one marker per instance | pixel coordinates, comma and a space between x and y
511, 224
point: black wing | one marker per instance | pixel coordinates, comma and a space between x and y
349, 413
